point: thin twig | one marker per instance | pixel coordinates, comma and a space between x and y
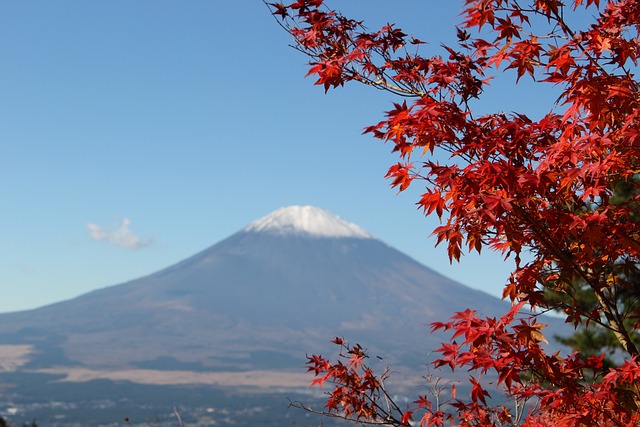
177, 414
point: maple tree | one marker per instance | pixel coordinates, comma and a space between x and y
562, 188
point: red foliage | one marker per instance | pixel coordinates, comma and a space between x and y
512, 184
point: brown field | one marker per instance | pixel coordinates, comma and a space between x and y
13, 356
258, 379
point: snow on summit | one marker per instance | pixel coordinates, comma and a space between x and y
306, 220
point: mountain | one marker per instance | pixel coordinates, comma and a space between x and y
282, 287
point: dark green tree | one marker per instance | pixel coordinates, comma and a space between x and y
593, 337
5, 423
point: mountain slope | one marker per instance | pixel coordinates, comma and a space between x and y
262, 298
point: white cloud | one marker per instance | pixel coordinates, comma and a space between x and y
121, 236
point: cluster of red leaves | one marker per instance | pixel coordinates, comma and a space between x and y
548, 390
513, 183
356, 390
511, 349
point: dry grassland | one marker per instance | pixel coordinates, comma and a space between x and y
259, 379
13, 356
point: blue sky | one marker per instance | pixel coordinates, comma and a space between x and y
175, 124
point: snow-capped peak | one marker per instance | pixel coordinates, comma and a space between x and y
307, 220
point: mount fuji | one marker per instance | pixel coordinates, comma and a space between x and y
261, 299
